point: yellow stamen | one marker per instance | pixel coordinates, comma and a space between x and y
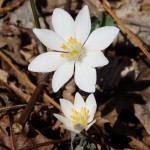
64, 46
73, 49
80, 118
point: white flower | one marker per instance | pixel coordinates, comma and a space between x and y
78, 116
73, 50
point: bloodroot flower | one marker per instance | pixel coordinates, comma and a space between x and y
74, 50
78, 116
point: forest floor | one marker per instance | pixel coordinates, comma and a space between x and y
123, 86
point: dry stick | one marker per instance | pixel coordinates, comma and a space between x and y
10, 8
46, 143
10, 120
16, 90
12, 107
125, 28
13, 145
27, 82
19, 125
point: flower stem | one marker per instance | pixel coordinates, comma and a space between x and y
90, 138
37, 23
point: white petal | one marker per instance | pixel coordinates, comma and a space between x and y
101, 38
70, 128
89, 125
49, 38
46, 62
79, 102
62, 75
83, 25
85, 77
95, 59
63, 24
91, 106
66, 107
64, 120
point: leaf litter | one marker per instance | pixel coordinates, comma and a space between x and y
122, 87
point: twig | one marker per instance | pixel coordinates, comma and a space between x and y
27, 82
10, 124
25, 97
13, 146
46, 143
19, 125
10, 8
19, 106
12, 107
125, 28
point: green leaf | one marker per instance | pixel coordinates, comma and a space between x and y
95, 22
103, 19
84, 143
109, 21
93, 147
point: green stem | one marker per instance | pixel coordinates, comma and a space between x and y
37, 23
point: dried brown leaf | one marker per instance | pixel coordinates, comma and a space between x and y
28, 52
69, 90
146, 140
142, 112
4, 76
100, 122
137, 144
21, 140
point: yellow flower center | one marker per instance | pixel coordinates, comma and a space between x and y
80, 119
73, 48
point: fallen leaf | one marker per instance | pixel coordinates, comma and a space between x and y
142, 112
4, 76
